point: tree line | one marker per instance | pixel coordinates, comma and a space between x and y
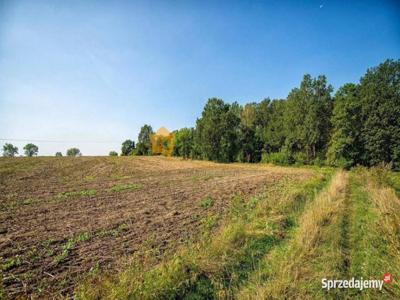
30, 150
358, 125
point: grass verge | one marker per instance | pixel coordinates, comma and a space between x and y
375, 237
294, 269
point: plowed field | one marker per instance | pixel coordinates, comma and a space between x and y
61, 218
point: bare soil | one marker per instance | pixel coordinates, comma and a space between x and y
61, 218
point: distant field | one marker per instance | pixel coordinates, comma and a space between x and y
63, 219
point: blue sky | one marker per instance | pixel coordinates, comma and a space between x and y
76, 71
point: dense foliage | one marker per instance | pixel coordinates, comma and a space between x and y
380, 112
127, 148
217, 132
346, 146
144, 142
183, 142
360, 124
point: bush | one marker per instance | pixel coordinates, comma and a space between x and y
318, 161
113, 153
74, 152
127, 147
341, 163
134, 152
278, 158
300, 158
206, 202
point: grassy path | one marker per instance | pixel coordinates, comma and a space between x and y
294, 270
345, 232
375, 234
352, 229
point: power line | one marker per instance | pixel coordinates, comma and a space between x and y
57, 141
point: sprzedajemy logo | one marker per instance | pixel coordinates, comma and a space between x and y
355, 283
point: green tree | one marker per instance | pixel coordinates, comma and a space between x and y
144, 141
59, 154
273, 134
183, 142
263, 113
307, 118
217, 131
209, 129
253, 116
346, 145
9, 150
31, 150
380, 98
74, 152
113, 153
230, 140
127, 147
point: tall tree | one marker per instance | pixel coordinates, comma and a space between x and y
307, 118
209, 129
144, 140
380, 97
273, 133
183, 142
252, 118
230, 139
217, 131
346, 145
31, 150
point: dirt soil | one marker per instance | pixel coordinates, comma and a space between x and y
61, 218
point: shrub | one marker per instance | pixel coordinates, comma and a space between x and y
319, 161
134, 152
113, 153
127, 147
278, 158
300, 158
206, 202
74, 152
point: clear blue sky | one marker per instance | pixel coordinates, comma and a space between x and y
98, 70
